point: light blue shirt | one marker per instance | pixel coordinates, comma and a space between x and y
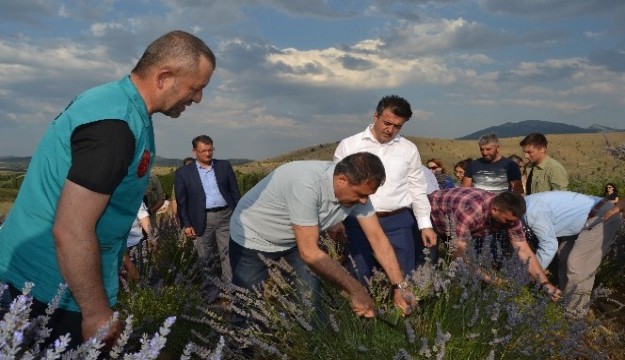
297, 193
214, 198
553, 214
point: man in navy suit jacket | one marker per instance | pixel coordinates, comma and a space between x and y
207, 193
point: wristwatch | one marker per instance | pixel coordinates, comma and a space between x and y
402, 285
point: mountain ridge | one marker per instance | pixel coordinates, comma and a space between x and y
522, 128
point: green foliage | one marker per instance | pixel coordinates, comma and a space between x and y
247, 181
167, 182
596, 185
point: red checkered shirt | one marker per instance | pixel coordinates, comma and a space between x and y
467, 210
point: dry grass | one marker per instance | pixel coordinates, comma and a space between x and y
581, 154
5, 206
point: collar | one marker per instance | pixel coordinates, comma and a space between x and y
200, 167
135, 97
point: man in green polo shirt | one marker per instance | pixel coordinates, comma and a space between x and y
85, 183
544, 173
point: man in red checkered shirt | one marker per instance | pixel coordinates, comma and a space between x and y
468, 213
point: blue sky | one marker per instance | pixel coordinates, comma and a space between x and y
295, 73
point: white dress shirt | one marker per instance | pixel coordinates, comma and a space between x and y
405, 184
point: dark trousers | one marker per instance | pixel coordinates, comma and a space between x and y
400, 230
61, 322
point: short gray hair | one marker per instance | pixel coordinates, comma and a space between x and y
488, 139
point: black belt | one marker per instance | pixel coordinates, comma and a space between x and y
216, 209
382, 214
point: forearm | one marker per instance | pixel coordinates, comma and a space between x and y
534, 268
78, 256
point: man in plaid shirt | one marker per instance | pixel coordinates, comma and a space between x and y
474, 213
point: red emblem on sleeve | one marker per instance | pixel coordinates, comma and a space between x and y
144, 164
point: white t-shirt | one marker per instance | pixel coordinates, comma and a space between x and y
136, 233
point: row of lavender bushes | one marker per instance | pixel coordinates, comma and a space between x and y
188, 316
175, 312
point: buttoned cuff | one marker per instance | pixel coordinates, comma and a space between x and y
424, 222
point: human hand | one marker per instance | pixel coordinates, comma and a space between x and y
405, 300
337, 233
189, 232
429, 237
361, 303
91, 325
554, 293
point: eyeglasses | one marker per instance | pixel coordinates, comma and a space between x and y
433, 167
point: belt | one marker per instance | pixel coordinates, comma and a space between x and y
216, 209
382, 214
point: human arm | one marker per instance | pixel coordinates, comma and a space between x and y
541, 224
132, 274
233, 186
385, 255
618, 207
101, 153
182, 200
78, 255
517, 186
306, 238
417, 187
526, 255
159, 196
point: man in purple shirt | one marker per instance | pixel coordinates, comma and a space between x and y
470, 214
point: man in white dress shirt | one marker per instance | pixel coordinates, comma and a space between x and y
401, 199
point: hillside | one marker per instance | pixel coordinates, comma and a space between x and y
581, 154
529, 126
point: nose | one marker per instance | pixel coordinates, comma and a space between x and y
197, 97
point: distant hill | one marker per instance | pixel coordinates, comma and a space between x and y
540, 126
15, 163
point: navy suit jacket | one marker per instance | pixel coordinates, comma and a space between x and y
190, 196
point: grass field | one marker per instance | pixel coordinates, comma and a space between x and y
581, 154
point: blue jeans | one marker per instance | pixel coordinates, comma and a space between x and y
249, 271
400, 230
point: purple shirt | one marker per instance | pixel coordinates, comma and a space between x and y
467, 210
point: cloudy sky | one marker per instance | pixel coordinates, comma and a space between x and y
294, 73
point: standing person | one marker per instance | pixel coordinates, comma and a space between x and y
154, 198
444, 181
283, 215
86, 181
492, 171
611, 193
472, 214
174, 204
574, 226
398, 201
521, 164
544, 173
141, 229
207, 193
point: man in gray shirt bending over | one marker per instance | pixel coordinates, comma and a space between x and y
282, 216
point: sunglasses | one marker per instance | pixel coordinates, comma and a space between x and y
433, 167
